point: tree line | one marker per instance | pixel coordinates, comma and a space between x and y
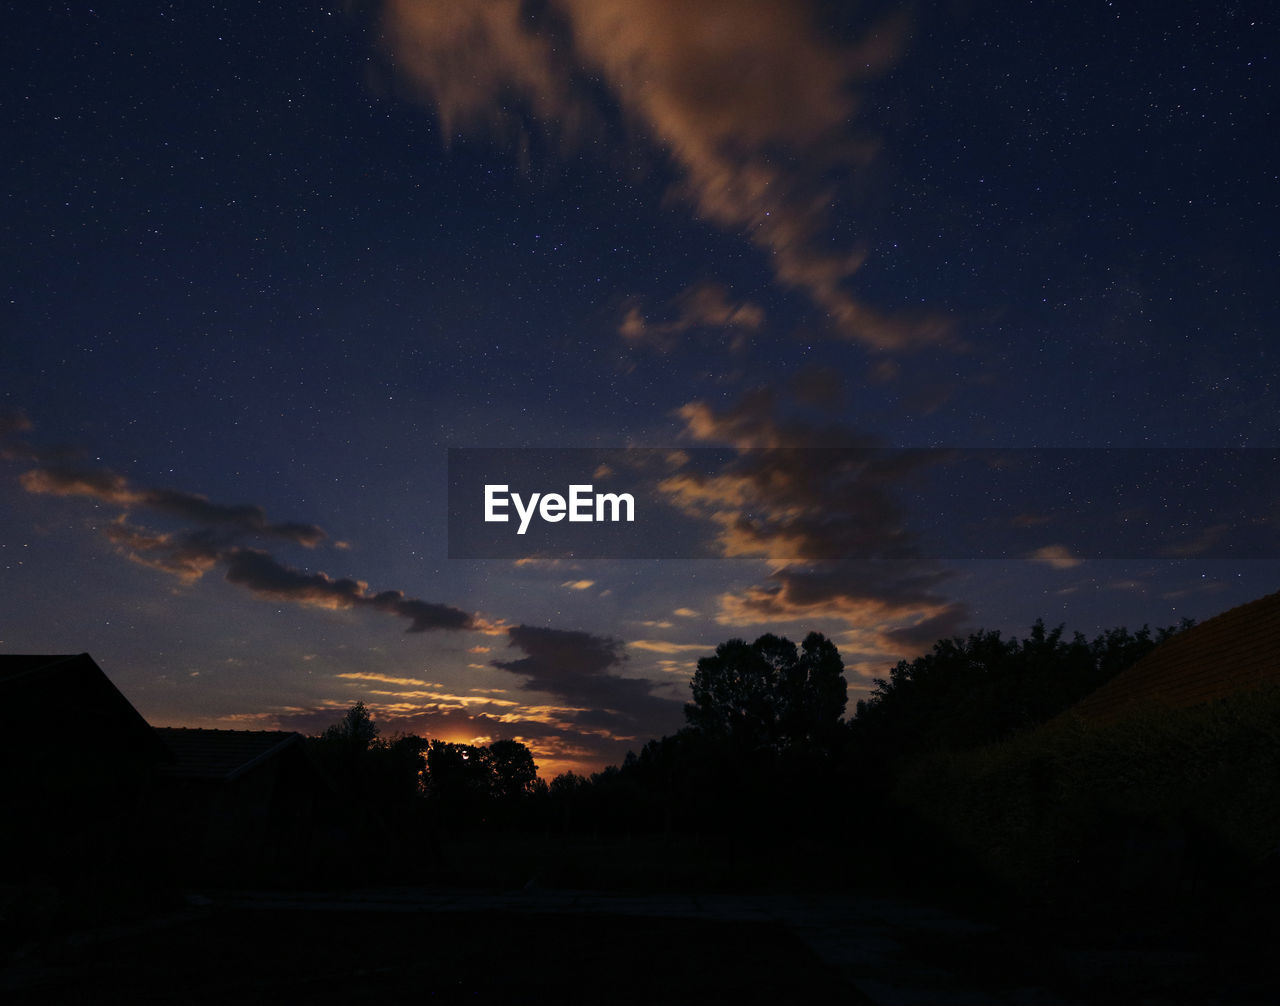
766, 748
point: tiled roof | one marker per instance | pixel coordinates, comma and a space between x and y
1236, 651
220, 754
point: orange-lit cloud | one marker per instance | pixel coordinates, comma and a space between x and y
752, 104
1055, 556
181, 555
554, 733
828, 523
662, 646
706, 305
434, 701
385, 679
215, 535
468, 57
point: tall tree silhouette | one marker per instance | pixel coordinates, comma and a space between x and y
356, 728
769, 695
514, 772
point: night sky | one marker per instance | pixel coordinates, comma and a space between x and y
265, 264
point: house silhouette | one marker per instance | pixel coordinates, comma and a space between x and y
90, 786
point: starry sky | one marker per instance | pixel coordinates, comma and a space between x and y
264, 265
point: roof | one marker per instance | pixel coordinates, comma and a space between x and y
16, 665
221, 754
71, 694
68, 695
1237, 651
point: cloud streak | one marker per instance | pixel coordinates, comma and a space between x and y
216, 535
262, 574
106, 486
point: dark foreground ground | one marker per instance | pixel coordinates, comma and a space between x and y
232, 955
539, 945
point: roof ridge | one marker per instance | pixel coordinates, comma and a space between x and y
1222, 655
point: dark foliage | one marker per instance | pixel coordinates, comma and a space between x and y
760, 757
411, 786
768, 695
967, 692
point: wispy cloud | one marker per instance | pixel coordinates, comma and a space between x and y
752, 104
705, 305
385, 679
662, 646
107, 486
1055, 556
214, 535
1201, 544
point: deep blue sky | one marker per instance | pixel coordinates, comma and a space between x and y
282, 257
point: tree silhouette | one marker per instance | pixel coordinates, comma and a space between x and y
514, 772
459, 778
768, 695
966, 692
356, 729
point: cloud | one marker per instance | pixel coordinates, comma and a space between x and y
438, 700
748, 100
662, 646
13, 421
187, 555
99, 484
705, 305
536, 562
577, 667
468, 58
107, 486
823, 510
216, 536
1056, 556
385, 679
1202, 544
579, 584
265, 576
